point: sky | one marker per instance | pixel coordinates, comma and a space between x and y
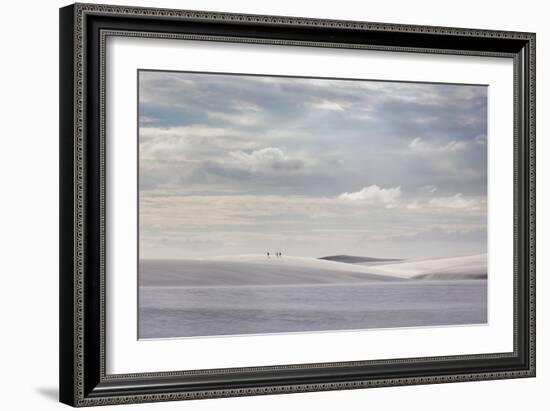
237, 164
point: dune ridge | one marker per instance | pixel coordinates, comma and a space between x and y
353, 259
253, 269
466, 267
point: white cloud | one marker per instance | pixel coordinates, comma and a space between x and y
456, 202
425, 120
269, 158
420, 146
481, 139
241, 119
413, 205
147, 120
186, 132
169, 144
374, 193
429, 188
326, 105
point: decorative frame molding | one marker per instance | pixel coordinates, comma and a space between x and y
84, 29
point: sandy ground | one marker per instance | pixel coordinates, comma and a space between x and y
193, 273
468, 267
288, 270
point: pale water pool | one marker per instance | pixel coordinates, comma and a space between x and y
208, 311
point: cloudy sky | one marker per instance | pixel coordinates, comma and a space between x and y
234, 164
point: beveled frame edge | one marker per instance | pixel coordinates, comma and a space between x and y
73, 197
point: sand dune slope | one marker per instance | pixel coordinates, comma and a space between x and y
252, 270
468, 267
246, 270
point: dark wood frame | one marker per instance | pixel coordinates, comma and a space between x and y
83, 30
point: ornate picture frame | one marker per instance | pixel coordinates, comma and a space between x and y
84, 32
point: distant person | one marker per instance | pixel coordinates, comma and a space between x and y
268, 255
280, 255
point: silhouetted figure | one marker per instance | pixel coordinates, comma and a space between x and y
268, 255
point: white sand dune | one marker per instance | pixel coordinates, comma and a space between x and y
252, 270
467, 267
243, 270
354, 259
464, 267
470, 266
291, 261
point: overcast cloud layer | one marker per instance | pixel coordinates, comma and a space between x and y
310, 167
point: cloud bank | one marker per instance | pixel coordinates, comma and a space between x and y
374, 194
238, 164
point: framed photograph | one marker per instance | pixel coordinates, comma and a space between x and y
261, 204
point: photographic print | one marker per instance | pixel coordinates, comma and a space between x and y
274, 204
279, 188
